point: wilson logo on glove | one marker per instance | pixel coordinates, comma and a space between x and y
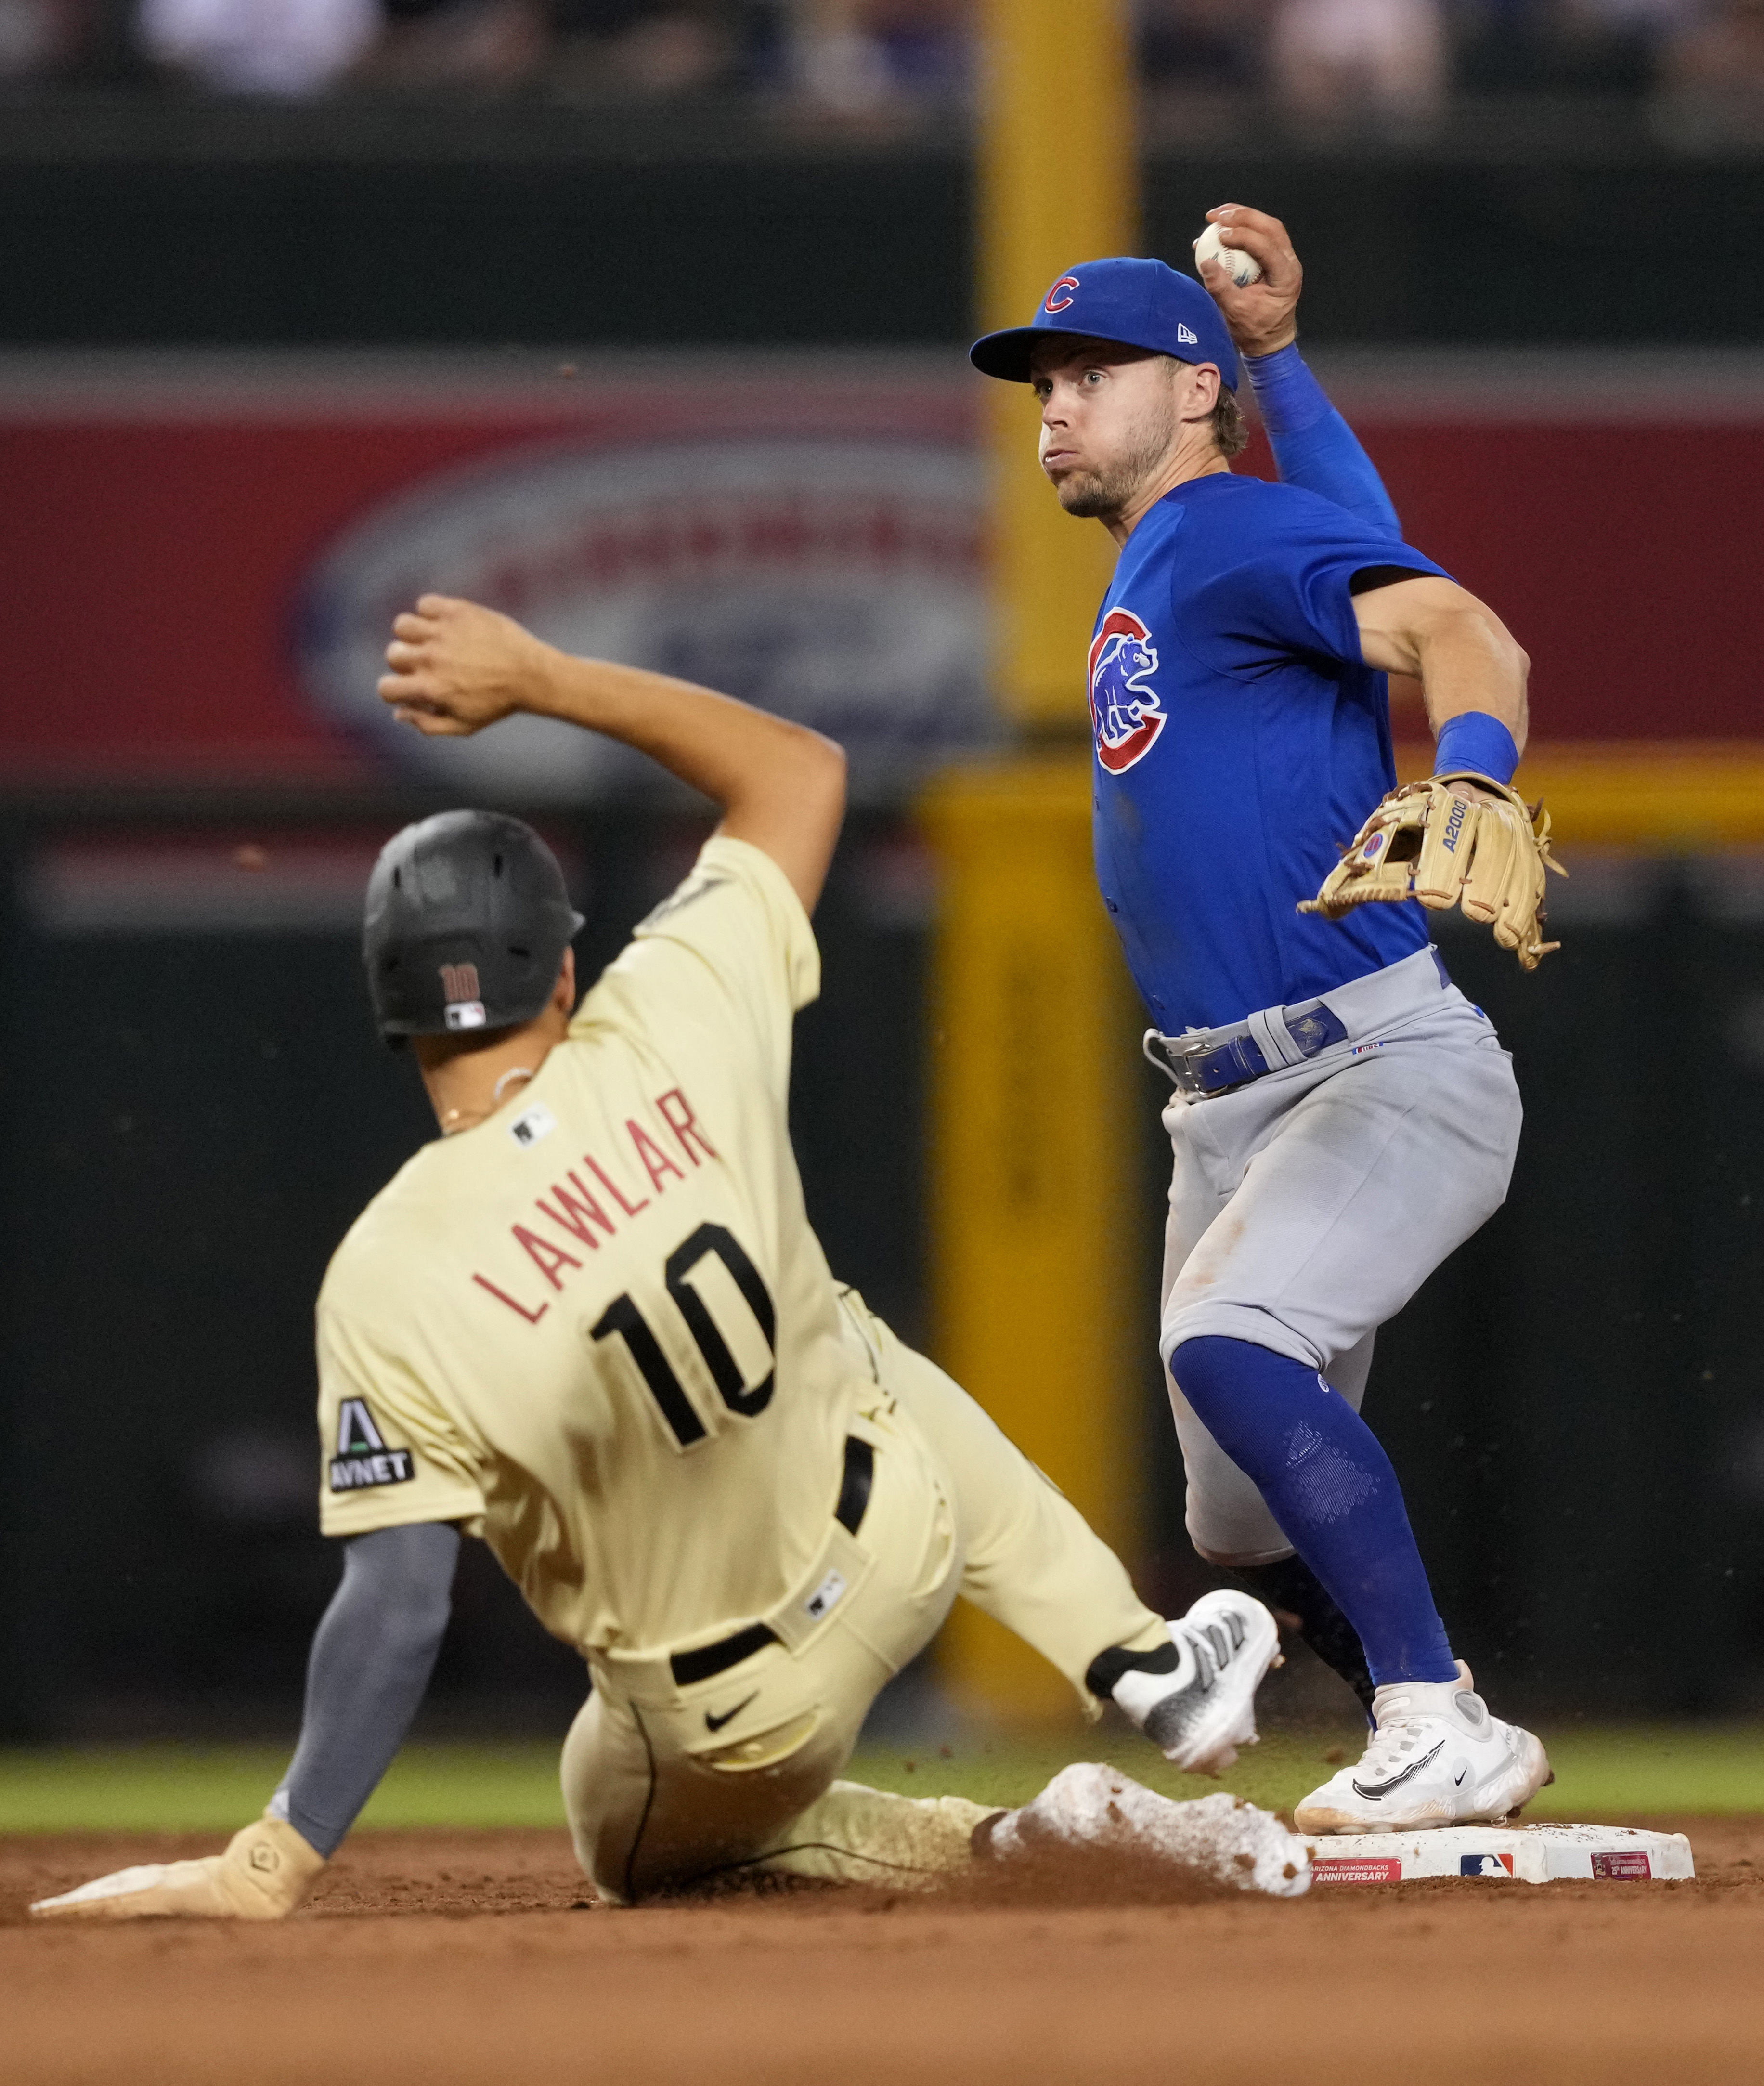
1487, 855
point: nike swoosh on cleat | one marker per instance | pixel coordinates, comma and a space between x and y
1457, 1780
1414, 1767
716, 1723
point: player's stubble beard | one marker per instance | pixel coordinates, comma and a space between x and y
1101, 495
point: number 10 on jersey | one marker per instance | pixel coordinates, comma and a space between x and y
624, 1318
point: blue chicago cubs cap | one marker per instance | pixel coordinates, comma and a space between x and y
1141, 304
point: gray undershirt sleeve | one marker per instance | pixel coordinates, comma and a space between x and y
372, 1654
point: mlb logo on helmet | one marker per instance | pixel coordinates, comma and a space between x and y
1126, 716
465, 1008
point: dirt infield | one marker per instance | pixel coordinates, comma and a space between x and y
431, 1958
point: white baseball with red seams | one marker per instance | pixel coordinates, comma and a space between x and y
1243, 268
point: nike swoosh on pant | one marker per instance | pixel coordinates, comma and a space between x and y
716, 1723
1414, 1767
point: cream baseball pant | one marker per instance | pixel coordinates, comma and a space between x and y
1308, 1206
665, 1783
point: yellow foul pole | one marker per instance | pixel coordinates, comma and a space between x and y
1058, 183
1032, 1170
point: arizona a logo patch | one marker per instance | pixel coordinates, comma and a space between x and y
1126, 716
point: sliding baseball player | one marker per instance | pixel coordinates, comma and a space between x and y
590, 1326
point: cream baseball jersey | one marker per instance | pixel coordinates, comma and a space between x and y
596, 1328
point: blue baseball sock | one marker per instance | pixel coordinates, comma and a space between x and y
1331, 1489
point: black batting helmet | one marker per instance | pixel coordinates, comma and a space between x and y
467, 921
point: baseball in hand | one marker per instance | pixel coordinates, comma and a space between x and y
1240, 266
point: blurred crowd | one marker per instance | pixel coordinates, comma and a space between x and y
1395, 63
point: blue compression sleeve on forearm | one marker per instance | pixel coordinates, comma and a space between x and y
1331, 1489
1314, 447
372, 1654
1475, 743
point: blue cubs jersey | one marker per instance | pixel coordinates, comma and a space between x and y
1241, 741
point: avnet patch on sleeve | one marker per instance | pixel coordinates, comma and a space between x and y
362, 1457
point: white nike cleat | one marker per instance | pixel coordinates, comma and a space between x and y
1435, 1757
1218, 1839
1200, 1715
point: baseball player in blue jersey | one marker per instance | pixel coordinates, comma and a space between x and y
1343, 1117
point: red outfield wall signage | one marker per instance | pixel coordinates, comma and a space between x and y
200, 556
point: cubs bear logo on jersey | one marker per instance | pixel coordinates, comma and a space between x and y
1126, 716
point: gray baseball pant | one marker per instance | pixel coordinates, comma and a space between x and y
1308, 1207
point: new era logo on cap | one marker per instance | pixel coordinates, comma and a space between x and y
1189, 339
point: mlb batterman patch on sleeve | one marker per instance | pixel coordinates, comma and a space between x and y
362, 1457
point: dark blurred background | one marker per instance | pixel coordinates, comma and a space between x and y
306, 266
756, 171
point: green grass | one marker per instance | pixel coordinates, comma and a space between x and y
199, 1789
1601, 1771
1693, 1768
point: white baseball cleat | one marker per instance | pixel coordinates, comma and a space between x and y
1200, 1715
1219, 1839
1435, 1757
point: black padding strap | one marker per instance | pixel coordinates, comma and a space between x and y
1104, 1671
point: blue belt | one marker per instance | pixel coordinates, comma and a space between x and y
1198, 1068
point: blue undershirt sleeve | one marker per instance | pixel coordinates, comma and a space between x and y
1313, 445
371, 1657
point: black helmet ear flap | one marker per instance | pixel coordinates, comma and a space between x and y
467, 919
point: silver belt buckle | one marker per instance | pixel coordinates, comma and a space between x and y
1173, 1059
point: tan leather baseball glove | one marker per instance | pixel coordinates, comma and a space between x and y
265, 1871
1428, 841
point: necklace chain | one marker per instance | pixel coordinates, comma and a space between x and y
453, 1119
